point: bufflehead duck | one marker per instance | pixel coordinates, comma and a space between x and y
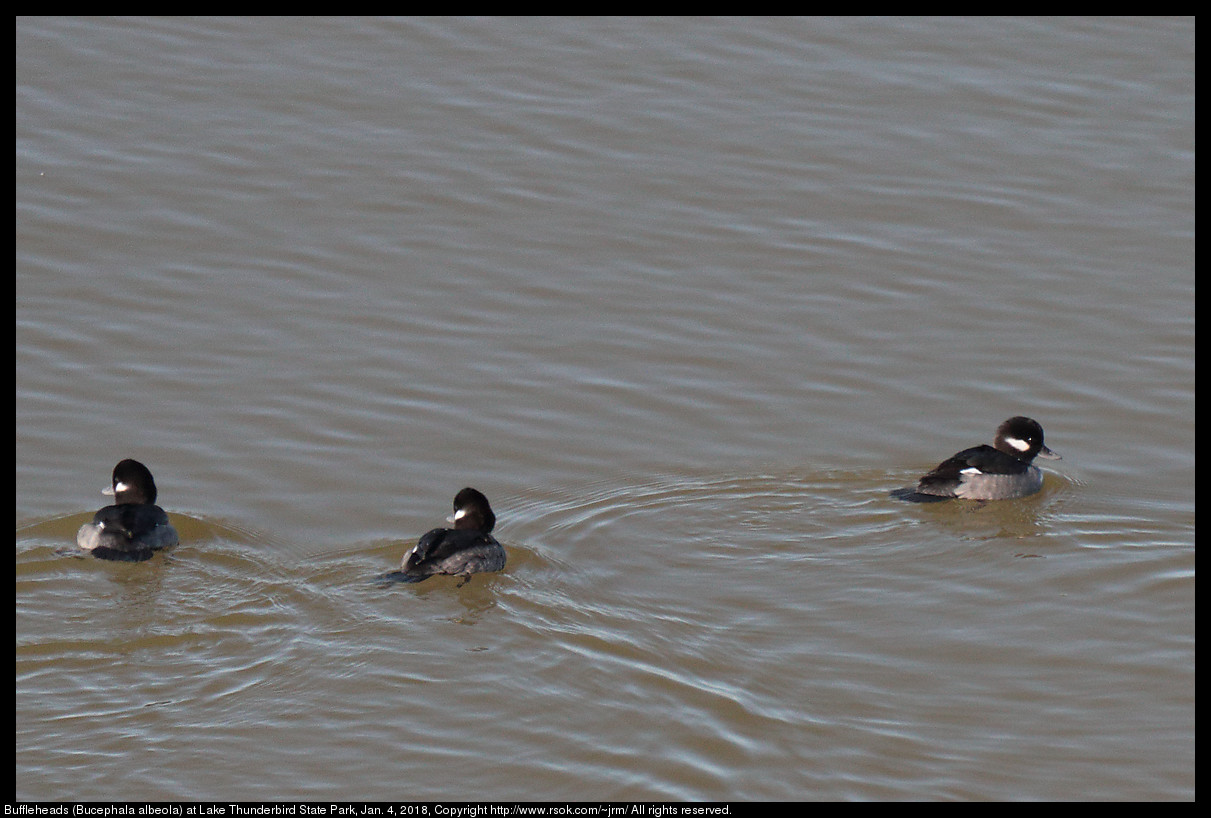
1001, 471
466, 549
134, 527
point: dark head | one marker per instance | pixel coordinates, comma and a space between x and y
472, 512
132, 484
1023, 438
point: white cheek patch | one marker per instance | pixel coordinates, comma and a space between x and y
458, 515
1018, 443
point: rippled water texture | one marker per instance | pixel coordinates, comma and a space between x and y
686, 299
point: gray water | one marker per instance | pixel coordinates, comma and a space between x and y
685, 298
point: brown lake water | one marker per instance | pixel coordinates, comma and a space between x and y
685, 298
